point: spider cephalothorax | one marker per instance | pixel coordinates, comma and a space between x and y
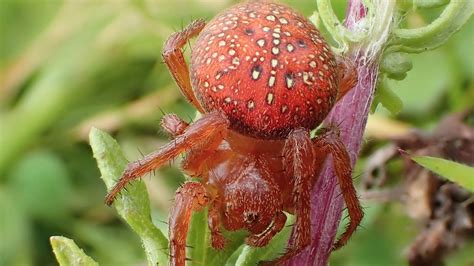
263, 77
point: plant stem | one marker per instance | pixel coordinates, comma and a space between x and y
350, 114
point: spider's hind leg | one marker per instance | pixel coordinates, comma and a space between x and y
330, 143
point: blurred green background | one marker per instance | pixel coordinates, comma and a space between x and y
68, 65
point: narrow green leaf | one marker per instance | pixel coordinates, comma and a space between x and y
453, 171
69, 254
252, 256
198, 238
132, 204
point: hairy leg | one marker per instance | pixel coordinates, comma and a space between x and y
264, 238
208, 127
214, 221
190, 197
173, 125
299, 156
347, 75
174, 59
330, 143
195, 163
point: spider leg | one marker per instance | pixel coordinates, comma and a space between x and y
209, 126
217, 239
190, 197
330, 143
173, 125
347, 75
174, 59
299, 155
264, 238
195, 163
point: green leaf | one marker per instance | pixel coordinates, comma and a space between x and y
198, 238
453, 171
69, 254
132, 204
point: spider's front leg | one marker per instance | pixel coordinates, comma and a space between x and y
209, 127
190, 197
330, 143
174, 59
193, 165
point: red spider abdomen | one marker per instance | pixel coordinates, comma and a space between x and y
267, 68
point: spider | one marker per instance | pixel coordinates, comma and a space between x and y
262, 77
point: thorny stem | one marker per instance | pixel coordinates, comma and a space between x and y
350, 114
